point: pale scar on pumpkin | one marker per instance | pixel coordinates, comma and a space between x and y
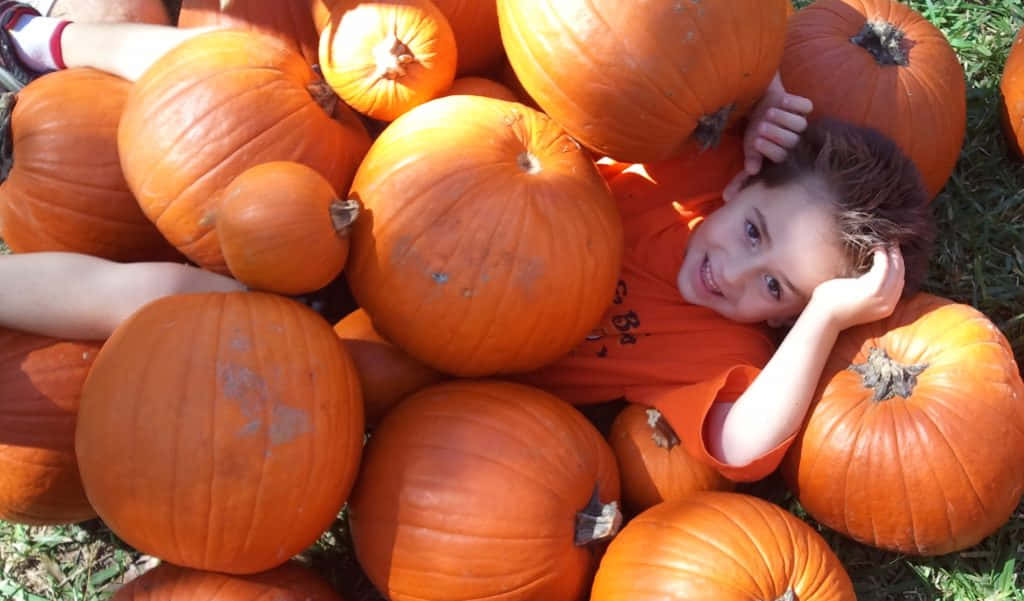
250, 392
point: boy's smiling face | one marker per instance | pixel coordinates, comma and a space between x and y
760, 256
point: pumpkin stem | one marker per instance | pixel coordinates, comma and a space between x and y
789, 595
597, 521
343, 215
324, 95
528, 162
710, 127
392, 55
7, 100
663, 434
884, 41
886, 377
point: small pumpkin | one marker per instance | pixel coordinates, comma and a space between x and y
386, 373
153, 12
65, 190
634, 80
384, 58
476, 209
716, 546
220, 431
475, 490
290, 21
40, 385
653, 465
915, 439
167, 582
481, 86
1011, 86
283, 229
477, 36
214, 106
880, 64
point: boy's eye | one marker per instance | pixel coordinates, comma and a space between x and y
774, 288
752, 232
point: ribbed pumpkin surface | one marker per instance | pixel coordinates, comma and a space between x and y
167, 582
291, 21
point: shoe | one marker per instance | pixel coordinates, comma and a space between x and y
10, 12
14, 75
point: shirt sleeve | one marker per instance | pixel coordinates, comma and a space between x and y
686, 409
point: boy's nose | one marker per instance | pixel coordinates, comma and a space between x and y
736, 272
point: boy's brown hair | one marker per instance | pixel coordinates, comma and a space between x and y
879, 197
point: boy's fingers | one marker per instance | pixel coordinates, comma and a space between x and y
792, 121
797, 104
770, 149
783, 137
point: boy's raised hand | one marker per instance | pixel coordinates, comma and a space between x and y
774, 127
870, 297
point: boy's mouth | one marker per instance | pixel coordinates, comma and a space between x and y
708, 278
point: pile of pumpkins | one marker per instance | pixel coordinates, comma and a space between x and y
223, 432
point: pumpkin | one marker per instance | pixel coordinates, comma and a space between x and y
477, 37
40, 384
720, 546
65, 190
915, 439
290, 21
482, 489
653, 464
880, 64
283, 229
488, 243
290, 582
220, 431
104, 11
480, 86
386, 374
214, 106
634, 80
1011, 87
384, 58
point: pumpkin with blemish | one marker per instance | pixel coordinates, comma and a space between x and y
635, 80
915, 438
488, 241
220, 431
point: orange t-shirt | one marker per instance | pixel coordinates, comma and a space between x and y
651, 346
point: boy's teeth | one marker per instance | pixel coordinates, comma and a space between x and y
708, 279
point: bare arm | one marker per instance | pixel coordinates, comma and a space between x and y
75, 296
774, 405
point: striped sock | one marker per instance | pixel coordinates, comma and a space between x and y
37, 41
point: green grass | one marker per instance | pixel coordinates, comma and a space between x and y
979, 260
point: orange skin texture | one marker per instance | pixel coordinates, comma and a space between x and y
291, 22
1012, 88
928, 474
276, 232
107, 11
470, 489
921, 106
362, 46
66, 191
629, 80
651, 471
386, 373
719, 546
166, 582
220, 431
211, 108
477, 36
480, 86
458, 237
40, 384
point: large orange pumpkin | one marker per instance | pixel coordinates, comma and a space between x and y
634, 80
480, 86
290, 582
916, 438
880, 64
477, 36
282, 228
653, 464
40, 384
65, 190
220, 431
475, 490
384, 58
488, 242
386, 373
1012, 88
211, 108
720, 546
289, 20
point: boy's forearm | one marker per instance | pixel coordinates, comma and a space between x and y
774, 405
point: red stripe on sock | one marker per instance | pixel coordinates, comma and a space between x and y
55, 50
